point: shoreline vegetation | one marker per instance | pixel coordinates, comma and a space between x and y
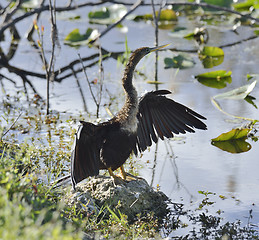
32, 208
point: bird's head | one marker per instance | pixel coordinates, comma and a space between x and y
138, 54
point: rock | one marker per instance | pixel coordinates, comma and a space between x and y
130, 198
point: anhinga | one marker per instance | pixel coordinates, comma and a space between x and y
109, 144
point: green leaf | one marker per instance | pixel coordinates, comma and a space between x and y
215, 74
233, 146
182, 61
238, 93
212, 51
250, 99
235, 133
215, 79
108, 15
74, 38
167, 15
246, 6
189, 35
210, 62
233, 141
100, 14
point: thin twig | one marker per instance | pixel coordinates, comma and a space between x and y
101, 77
11, 126
88, 82
80, 88
54, 37
11, 11
9, 79
32, 28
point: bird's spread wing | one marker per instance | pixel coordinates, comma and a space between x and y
85, 156
161, 117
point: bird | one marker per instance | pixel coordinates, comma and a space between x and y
140, 122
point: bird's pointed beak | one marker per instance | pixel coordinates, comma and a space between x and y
159, 47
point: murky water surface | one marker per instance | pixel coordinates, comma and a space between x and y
189, 163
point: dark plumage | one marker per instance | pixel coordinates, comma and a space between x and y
109, 144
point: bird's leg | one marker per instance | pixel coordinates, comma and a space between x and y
127, 176
116, 179
123, 173
111, 172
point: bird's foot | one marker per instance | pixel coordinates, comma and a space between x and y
127, 176
123, 177
117, 180
130, 177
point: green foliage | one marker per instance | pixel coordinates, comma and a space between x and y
27, 209
74, 38
233, 141
215, 79
212, 51
233, 146
246, 5
236, 133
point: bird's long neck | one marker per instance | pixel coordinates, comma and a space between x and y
130, 91
128, 113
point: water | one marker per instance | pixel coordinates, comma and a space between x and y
189, 163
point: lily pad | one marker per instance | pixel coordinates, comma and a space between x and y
74, 38
233, 146
211, 56
235, 133
215, 79
107, 15
215, 74
181, 61
210, 62
212, 51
